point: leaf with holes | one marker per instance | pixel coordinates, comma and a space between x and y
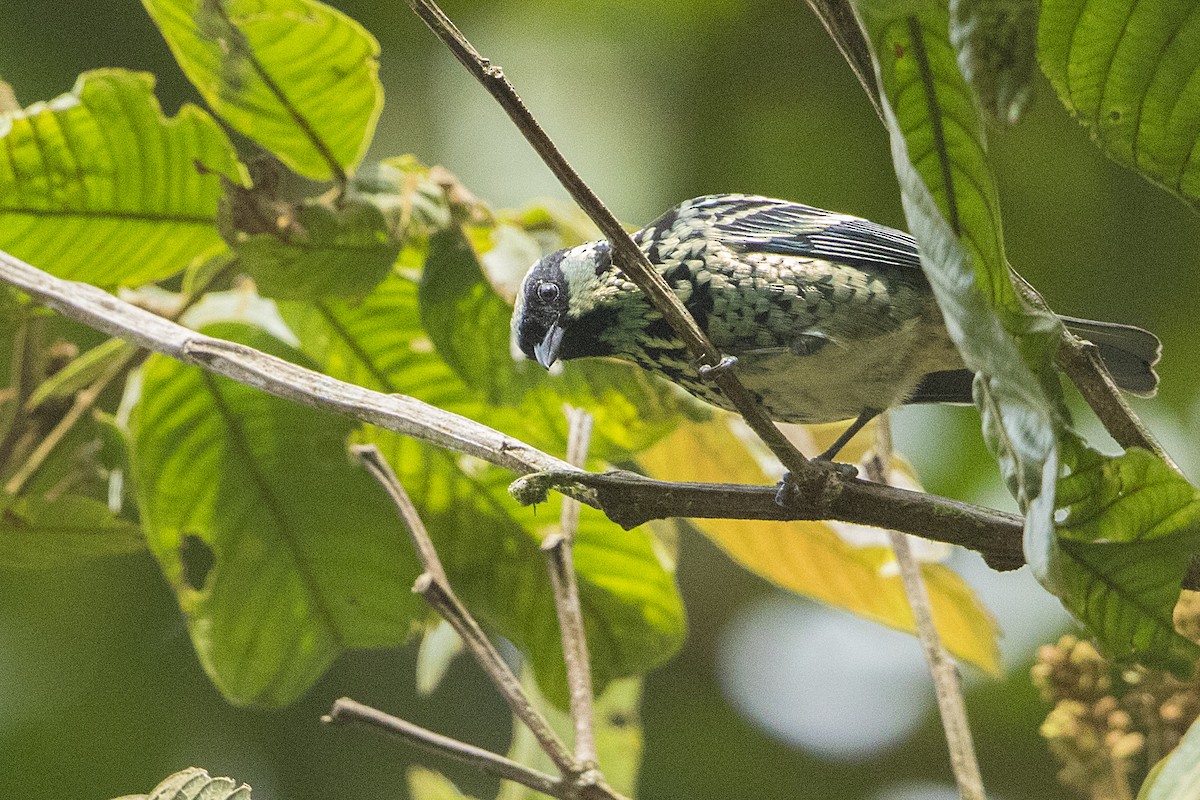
281, 552
1128, 70
97, 185
298, 77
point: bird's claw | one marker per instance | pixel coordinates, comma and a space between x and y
790, 489
709, 371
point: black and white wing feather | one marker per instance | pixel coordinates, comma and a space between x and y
763, 225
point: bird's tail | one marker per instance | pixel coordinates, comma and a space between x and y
1129, 353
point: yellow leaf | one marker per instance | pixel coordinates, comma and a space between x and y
810, 558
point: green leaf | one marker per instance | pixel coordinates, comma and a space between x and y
952, 207
1127, 70
1129, 531
97, 185
40, 533
298, 77
323, 251
282, 553
196, 784
996, 42
1176, 777
618, 730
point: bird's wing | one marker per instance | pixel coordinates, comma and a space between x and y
762, 225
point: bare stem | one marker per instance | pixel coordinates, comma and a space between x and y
947, 682
347, 711
560, 563
633, 261
435, 588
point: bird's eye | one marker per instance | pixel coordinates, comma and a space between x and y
547, 292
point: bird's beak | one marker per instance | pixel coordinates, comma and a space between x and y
546, 351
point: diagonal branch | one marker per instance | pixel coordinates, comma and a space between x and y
633, 261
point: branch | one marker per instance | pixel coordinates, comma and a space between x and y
347, 711
947, 682
630, 500
633, 261
433, 585
560, 563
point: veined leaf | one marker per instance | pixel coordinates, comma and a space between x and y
1129, 70
1129, 532
97, 185
811, 559
282, 552
298, 77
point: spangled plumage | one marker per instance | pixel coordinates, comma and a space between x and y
828, 315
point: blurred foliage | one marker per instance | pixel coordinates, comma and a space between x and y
683, 111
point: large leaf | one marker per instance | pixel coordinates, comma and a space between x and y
952, 207
1129, 70
35, 532
99, 186
812, 559
282, 553
297, 76
1130, 530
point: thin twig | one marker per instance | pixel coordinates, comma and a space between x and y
633, 261
560, 563
347, 711
435, 588
947, 683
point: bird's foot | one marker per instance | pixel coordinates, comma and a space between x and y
825, 473
710, 371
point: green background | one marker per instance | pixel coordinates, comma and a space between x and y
100, 691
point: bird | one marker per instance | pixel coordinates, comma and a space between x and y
823, 316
